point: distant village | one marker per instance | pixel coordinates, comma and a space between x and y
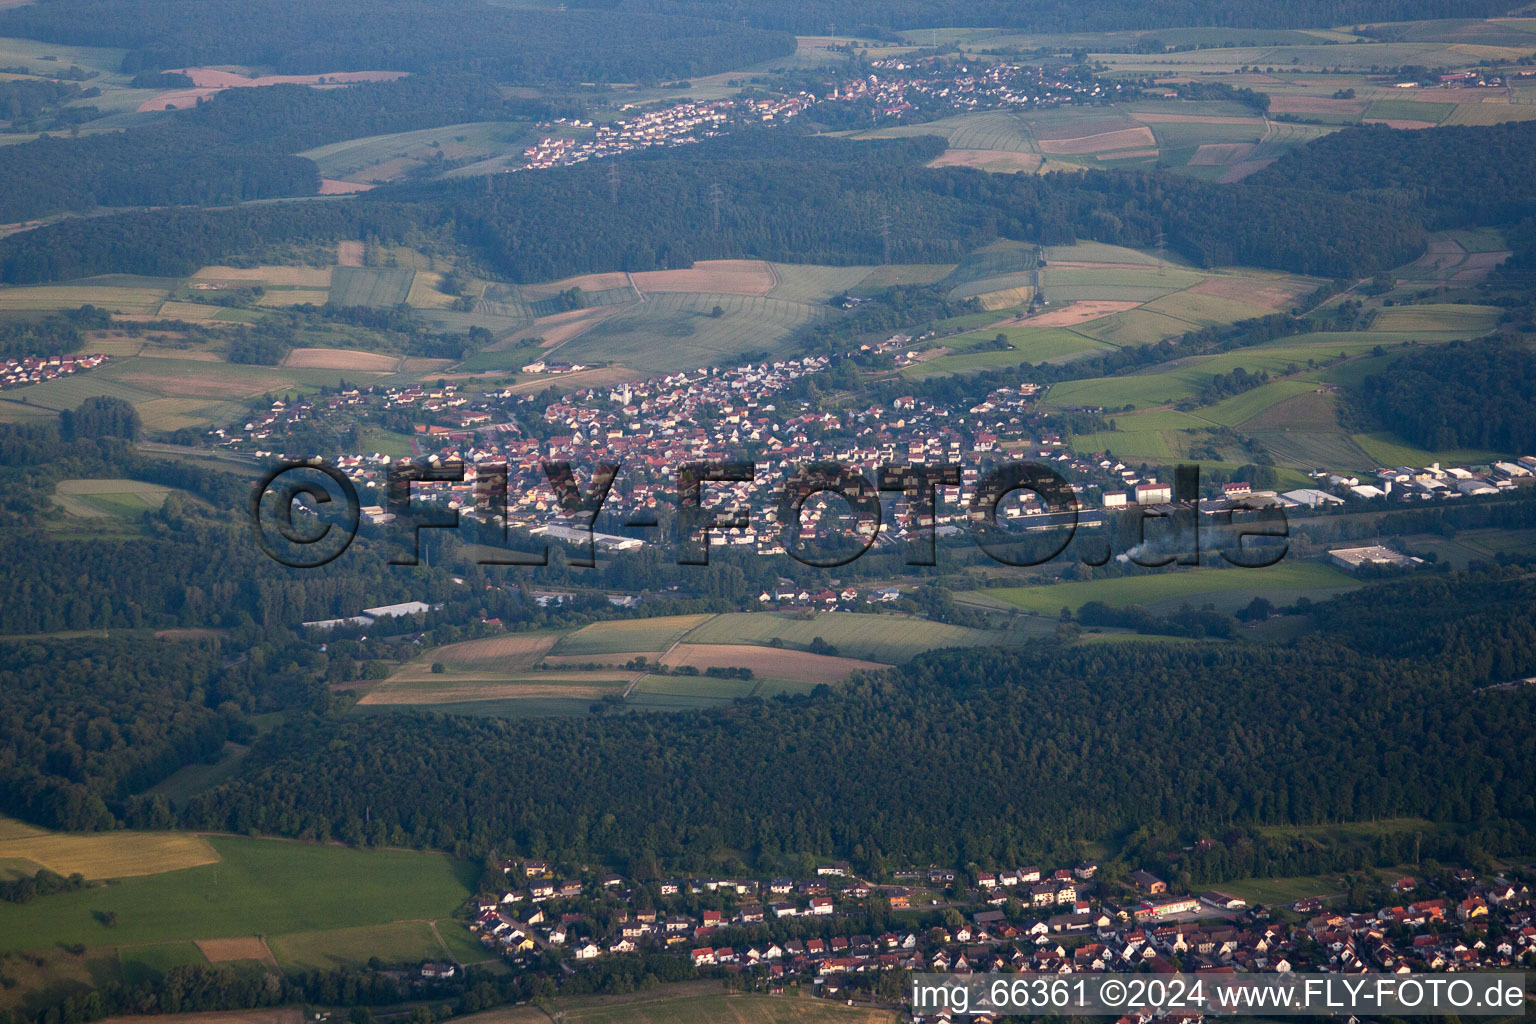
806, 932
895, 88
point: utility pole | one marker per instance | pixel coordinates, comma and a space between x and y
1162, 255
885, 237
613, 180
716, 197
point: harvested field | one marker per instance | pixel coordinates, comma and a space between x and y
350, 254
1125, 138
289, 277
295, 297
1255, 291
1075, 313
1006, 298
224, 950
1315, 105
732, 277
103, 854
997, 161
562, 327
1219, 154
601, 377
586, 282
1128, 154
769, 662
1399, 124
341, 359
336, 187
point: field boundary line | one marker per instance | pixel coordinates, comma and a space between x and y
630, 277
686, 633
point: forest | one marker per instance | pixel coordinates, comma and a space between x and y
1473, 394
786, 197
879, 17
236, 146
305, 37
1370, 737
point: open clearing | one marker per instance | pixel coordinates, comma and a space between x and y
257, 887
103, 499
769, 662
488, 658
102, 854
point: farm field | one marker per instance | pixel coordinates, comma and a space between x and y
109, 499
141, 301
1170, 585
395, 942
1389, 450
99, 855
889, 639
257, 887
689, 1003
1030, 345
385, 157
676, 330
768, 662
626, 635
376, 287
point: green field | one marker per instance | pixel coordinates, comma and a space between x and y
622, 635
109, 499
259, 887
396, 942
1390, 450
814, 283
1408, 110
1470, 321
1171, 584
891, 639
376, 287
676, 331
454, 141
1030, 345
696, 686
1136, 327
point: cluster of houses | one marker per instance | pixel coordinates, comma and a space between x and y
894, 87
1021, 920
18, 373
1407, 483
900, 84
677, 125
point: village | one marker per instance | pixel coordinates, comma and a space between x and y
896, 88
18, 373
834, 934
715, 415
